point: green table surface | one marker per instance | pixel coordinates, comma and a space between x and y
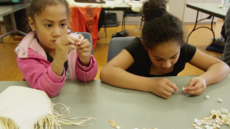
134, 109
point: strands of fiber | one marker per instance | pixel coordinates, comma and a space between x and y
84, 75
87, 86
7, 123
55, 119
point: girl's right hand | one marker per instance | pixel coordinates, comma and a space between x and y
162, 87
63, 45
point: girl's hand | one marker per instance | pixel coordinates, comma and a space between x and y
162, 87
63, 45
196, 86
84, 48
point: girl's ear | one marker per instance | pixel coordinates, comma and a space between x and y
144, 45
32, 24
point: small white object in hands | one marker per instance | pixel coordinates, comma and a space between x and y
219, 100
183, 88
207, 97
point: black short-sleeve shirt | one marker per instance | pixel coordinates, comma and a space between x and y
142, 62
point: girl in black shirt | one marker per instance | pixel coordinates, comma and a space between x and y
161, 52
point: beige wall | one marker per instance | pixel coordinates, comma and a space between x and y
176, 7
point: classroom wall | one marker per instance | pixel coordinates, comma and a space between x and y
177, 8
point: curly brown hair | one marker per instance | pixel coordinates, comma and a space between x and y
160, 26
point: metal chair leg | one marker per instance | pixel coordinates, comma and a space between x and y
105, 27
124, 23
141, 25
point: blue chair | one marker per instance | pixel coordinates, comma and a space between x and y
88, 36
116, 45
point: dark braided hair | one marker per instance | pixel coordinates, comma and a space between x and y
160, 26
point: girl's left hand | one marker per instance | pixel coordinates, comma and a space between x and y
84, 48
196, 86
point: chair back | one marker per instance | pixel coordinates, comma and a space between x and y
116, 45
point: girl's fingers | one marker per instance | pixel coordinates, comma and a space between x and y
86, 49
80, 37
69, 47
194, 87
169, 89
80, 50
80, 40
172, 85
70, 41
196, 92
197, 89
166, 95
84, 43
71, 37
191, 83
85, 54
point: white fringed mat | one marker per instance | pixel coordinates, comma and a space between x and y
27, 108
